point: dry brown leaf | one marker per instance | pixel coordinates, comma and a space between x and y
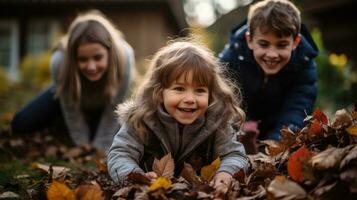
103, 168
350, 176
274, 147
57, 171
287, 137
189, 174
352, 154
329, 158
342, 118
282, 188
91, 191
209, 171
138, 178
60, 191
164, 167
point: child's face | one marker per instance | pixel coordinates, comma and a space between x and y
184, 101
92, 60
272, 53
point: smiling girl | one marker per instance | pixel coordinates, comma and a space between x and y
92, 72
185, 108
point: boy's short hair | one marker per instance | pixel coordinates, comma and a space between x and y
281, 17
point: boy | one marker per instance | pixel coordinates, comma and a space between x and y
271, 57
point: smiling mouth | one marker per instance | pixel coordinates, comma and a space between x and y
187, 109
271, 63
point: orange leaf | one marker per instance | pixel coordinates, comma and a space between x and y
164, 167
295, 163
315, 127
352, 130
90, 191
59, 191
320, 116
209, 171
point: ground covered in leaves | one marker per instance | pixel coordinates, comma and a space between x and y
317, 162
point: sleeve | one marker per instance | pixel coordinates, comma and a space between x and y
56, 62
37, 114
299, 101
231, 153
124, 154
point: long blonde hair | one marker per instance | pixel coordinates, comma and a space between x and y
91, 27
169, 63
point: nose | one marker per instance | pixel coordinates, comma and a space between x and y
189, 98
91, 65
272, 53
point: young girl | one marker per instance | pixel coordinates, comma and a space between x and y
91, 71
184, 108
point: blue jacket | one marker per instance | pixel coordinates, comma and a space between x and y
283, 99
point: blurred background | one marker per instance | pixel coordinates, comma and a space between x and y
29, 29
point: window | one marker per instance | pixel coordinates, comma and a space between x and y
40, 36
9, 48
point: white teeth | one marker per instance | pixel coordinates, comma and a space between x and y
187, 109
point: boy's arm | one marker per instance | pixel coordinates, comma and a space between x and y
231, 152
299, 101
124, 154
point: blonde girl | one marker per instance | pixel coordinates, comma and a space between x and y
92, 72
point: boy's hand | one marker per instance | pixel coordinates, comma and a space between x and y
221, 179
151, 175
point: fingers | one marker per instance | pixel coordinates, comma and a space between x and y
151, 175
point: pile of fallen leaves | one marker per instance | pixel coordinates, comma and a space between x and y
316, 162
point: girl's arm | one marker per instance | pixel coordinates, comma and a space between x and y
38, 114
125, 153
231, 152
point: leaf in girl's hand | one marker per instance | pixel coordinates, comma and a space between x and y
161, 182
164, 167
295, 163
58, 190
138, 178
209, 171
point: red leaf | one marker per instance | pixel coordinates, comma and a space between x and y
295, 163
320, 116
315, 127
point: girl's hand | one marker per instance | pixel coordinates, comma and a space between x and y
151, 175
221, 179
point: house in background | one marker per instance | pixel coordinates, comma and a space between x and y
31, 27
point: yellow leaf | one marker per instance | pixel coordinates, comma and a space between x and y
59, 191
161, 182
209, 171
352, 130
